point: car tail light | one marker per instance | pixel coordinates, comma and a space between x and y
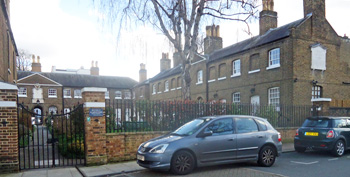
330, 134
279, 137
297, 132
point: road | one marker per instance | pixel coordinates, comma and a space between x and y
292, 164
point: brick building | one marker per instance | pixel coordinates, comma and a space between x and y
295, 64
60, 91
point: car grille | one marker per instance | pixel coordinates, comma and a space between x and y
145, 149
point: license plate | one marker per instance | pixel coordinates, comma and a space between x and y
140, 157
311, 133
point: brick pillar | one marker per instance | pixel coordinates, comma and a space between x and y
8, 128
95, 125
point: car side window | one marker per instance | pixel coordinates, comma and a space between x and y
262, 125
221, 127
348, 123
246, 125
340, 123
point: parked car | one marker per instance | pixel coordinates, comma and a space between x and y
212, 141
324, 133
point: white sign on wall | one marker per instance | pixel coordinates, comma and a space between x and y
318, 57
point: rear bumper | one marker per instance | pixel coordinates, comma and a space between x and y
326, 144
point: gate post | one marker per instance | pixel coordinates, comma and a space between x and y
94, 125
8, 128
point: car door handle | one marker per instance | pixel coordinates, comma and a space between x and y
231, 139
260, 136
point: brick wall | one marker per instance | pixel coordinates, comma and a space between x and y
8, 132
123, 146
287, 133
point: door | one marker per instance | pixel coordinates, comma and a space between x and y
255, 102
221, 145
249, 139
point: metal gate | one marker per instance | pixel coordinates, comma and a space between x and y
50, 140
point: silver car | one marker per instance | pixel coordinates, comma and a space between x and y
212, 141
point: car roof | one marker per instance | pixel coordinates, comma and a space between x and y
231, 116
328, 117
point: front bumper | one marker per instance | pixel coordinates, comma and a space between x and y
326, 144
155, 161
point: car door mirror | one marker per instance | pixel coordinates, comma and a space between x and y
207, 133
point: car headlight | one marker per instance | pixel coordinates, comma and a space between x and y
159, 149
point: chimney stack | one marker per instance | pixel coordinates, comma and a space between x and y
165, 62
316, 7
142, 73
36, 66
268, 17
212, 41
94, 70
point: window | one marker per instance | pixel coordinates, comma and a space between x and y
22, 92
340, 123
53, 110
159, 87
141, 92
154, 91
77, 93
316, 92
274, 96
67, 93
166, 86
107, 94
66, 112
246, 125
52, 93
221, 127
173, 84
262, 125
222, 71
118, 95
236, 97
254, 65
179, 83
211, 74
200, 77
274, 58
127, 95
236, 68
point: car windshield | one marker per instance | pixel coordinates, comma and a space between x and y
318, 123
190, 127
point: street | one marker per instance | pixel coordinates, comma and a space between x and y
292, 164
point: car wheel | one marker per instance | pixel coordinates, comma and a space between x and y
182, 163
339, 148
300, 149
267, 156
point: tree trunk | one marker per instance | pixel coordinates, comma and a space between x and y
186, 82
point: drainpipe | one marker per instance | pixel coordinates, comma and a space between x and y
62, 100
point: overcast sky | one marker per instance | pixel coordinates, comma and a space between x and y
68, 34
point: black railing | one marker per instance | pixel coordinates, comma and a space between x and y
138, 116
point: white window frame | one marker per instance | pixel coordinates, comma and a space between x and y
236, 68
127, 95
118, 95
77, 95
316, 92
199, 77
274, 58
236, 97
166, 86
52, 93
154, 90
107, 94
274, 96
22, 92
67, 93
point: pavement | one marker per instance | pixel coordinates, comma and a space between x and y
115, 169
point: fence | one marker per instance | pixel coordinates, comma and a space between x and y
137, 116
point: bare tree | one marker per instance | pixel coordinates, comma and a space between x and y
23, 60
180, 21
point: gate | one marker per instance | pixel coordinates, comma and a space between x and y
50, 140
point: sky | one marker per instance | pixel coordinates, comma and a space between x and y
69, 34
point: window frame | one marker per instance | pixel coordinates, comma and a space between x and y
233, 127
159, 85
222, 71
316, 92
236, 68
272, 59
199, 77
270, 98
68, 95
107, 95
233, 97
51, 95
154, 90
127, 95
77, 95
22, 93
166, 86
236, 125
116, 93
212, 72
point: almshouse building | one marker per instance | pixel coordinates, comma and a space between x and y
60, 91
299, 63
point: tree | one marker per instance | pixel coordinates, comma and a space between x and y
180, 21
23, 60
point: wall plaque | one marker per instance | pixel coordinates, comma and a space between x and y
96, 112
